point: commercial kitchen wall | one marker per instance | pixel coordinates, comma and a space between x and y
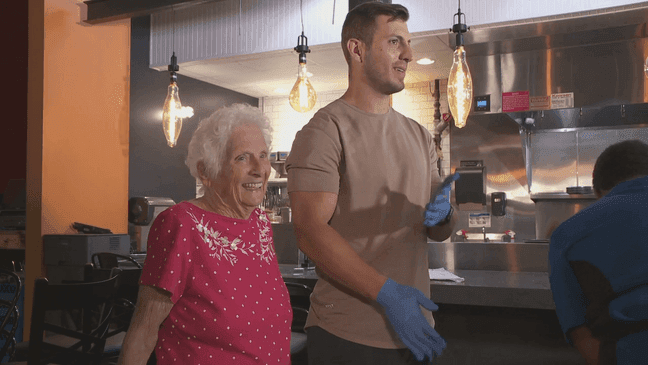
415, 101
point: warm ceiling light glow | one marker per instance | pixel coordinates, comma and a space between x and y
459, 82
425, 61
460, 88
173, 112
302, 96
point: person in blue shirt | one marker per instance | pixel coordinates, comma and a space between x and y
599, 262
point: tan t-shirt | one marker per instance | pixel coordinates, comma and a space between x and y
383, 168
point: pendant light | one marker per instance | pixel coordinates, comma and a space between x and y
173, 112
459, 82
302, 97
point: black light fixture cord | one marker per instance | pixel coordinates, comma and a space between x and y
301, 12
173, 66
173, 39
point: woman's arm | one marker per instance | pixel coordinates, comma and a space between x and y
153, 306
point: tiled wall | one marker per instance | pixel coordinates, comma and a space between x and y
416, 102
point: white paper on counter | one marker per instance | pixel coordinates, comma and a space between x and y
443, 274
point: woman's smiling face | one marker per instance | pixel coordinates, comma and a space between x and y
244, 176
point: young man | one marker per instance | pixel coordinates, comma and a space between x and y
599, 262
360, 179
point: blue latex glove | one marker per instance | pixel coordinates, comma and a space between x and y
439, 207
402, 305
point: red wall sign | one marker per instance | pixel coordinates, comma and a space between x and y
515, 101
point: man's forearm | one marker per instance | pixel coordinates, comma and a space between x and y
442, 232
335, 257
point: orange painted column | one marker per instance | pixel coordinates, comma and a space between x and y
78, 140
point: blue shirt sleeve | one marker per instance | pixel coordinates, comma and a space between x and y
568, 296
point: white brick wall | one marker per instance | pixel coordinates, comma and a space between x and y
416, 102
286, 122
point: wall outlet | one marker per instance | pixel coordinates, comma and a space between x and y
479, 220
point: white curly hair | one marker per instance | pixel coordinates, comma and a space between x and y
210, 141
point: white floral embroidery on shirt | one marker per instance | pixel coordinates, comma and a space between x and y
223, 248
267, 248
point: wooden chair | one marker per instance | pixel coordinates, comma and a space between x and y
10, 286
54, 344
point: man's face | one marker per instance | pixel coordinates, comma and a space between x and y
388, 56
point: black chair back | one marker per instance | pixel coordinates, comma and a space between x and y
126, 296
68, 346
109, 260
300, 303
10, 285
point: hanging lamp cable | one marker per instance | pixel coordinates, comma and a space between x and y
173, 35
173, 66
333, 13
301, 12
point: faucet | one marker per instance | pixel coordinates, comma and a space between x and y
484, 232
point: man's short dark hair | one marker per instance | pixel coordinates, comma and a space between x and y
360, 22
618, 163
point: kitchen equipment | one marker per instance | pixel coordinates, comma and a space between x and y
554, 208
471, 186
278, 163
280, 169
498, 204
285, 214
142, 211
303, 261
66, 254
579, 190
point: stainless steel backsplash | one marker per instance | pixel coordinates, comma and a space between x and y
598, 58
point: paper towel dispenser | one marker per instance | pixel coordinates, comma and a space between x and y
471, 186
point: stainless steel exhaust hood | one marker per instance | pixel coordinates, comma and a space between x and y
541, 149
598, 58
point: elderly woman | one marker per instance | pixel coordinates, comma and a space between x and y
211, 291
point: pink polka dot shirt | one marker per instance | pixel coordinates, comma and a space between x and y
231, 305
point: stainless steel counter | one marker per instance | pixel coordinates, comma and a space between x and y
289, 271
481, 287
496, 288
